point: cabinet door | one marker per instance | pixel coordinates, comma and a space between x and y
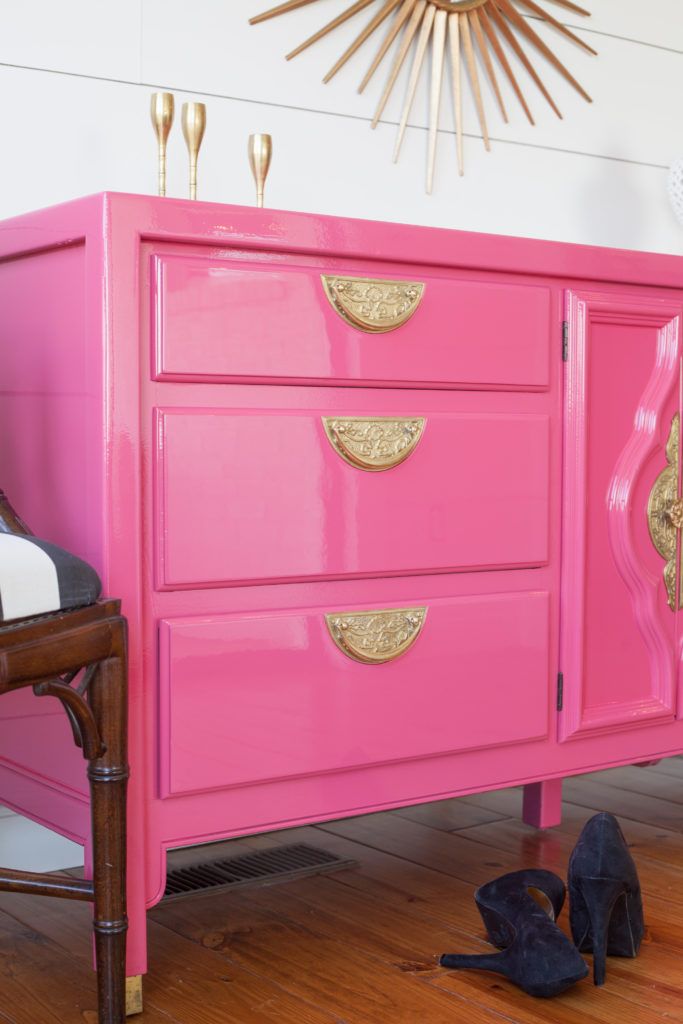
621, 586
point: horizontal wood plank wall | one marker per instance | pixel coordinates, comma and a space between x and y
75, 79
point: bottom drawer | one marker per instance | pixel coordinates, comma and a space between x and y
257, 696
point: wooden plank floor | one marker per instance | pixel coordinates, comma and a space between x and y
360, 946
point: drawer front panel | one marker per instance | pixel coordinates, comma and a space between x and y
270, 495
264, 696
235, 319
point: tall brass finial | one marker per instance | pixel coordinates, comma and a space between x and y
194, 124
260, 150
162, 120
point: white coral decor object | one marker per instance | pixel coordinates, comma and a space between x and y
675, 189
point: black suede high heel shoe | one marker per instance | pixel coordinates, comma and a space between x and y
605, 904
536, 955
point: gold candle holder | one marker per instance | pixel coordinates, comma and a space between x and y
260, 149
162, 120
194, 124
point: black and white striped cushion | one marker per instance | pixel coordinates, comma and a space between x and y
37, 577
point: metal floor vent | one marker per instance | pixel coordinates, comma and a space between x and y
279, 864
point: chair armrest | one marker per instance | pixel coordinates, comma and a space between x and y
10, 522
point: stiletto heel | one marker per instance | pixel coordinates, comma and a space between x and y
536, 955
606, 910
497, 962
600, 896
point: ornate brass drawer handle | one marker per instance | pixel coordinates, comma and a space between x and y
374, 444
665, 511
374, 638
371, 305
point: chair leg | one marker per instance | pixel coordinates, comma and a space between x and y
108, 777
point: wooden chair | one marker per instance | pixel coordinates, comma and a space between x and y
79, 657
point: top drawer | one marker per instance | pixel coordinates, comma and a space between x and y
235, 319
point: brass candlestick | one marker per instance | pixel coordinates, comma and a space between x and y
194, 123
162, 120
260, 150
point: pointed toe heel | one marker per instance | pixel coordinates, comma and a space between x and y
601, 896
535, 954
496, 962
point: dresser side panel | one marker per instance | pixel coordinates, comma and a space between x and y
51, 421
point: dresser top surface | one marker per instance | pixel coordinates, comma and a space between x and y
108, 214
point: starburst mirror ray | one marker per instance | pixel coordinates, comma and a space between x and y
475, 38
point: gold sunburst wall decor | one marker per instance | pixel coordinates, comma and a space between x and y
478, 35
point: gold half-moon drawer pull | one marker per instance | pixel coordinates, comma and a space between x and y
371, 305
374, 638
374, 444
665, 512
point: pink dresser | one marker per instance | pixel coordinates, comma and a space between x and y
394, 512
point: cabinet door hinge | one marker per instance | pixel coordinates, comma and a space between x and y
565, 340
560, 691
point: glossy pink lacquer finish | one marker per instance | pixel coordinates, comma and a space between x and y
279, 698
250, 493
238, 317
618, 436
166, 370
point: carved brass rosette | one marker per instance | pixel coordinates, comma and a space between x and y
370, 305
665, 511
373, 444
374, 638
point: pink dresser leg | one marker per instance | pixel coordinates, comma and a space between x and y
136, 944
542, 805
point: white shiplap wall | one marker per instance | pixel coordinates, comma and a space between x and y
75, 79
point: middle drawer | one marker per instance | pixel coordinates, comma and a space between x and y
265, 494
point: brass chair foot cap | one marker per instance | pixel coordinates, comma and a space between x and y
134, 995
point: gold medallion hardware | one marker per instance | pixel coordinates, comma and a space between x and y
376, 637
676, 513
373, 444
370, 305
665, 511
